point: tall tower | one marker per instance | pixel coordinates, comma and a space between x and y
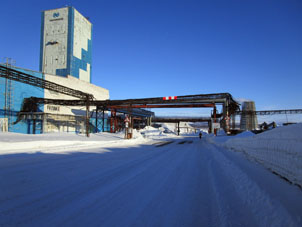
248, 119
66, 43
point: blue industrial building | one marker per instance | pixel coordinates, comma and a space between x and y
12, 96
66, 43
11, 100
65, 59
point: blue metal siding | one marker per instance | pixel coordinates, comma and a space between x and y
78, 64
90, 53
70, 39
20, 91
93, 128
42, 41
62, 72
74, 63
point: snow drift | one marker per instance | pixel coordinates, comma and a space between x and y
279, 150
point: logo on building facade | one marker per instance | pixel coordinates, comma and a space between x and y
56, 15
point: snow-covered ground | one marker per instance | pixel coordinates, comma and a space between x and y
156, 179
279, 149
11, 143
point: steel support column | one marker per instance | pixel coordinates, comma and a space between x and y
103, 112
113, 121
233, 121
214, 119
227, 122
96, 119
87, 117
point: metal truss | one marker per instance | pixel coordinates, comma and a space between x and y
181, 102
16, 75
270, 112
191, 101
230, 106
181, 119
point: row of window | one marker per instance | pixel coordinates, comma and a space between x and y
55, 29
54, 60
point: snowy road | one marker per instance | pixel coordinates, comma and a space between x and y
185, 183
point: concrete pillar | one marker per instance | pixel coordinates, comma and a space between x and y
45, 124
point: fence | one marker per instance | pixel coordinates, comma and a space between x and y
279, 150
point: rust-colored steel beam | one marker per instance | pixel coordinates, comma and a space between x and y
163, 106
137, 118
181, 119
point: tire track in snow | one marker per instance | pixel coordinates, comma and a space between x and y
51, 200
231, 180
126, 200
191, 184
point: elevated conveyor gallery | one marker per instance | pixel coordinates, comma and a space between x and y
229, 105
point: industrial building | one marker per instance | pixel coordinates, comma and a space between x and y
48, 118
65, 59
66, 44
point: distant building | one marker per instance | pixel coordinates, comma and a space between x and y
66, 43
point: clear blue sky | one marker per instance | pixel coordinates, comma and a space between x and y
151, 48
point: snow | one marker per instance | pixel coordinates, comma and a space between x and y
69, 180
58, 142
184, 127
156, 133
279, 149
245, 134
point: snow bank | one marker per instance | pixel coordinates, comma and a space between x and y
150, 132
185, 128
279, 150
60, 142
169, 127
11, 143
137, 135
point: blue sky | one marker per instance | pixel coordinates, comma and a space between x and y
152, 48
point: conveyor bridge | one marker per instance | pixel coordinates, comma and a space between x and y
229, 105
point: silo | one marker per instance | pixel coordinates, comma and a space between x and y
248, 119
